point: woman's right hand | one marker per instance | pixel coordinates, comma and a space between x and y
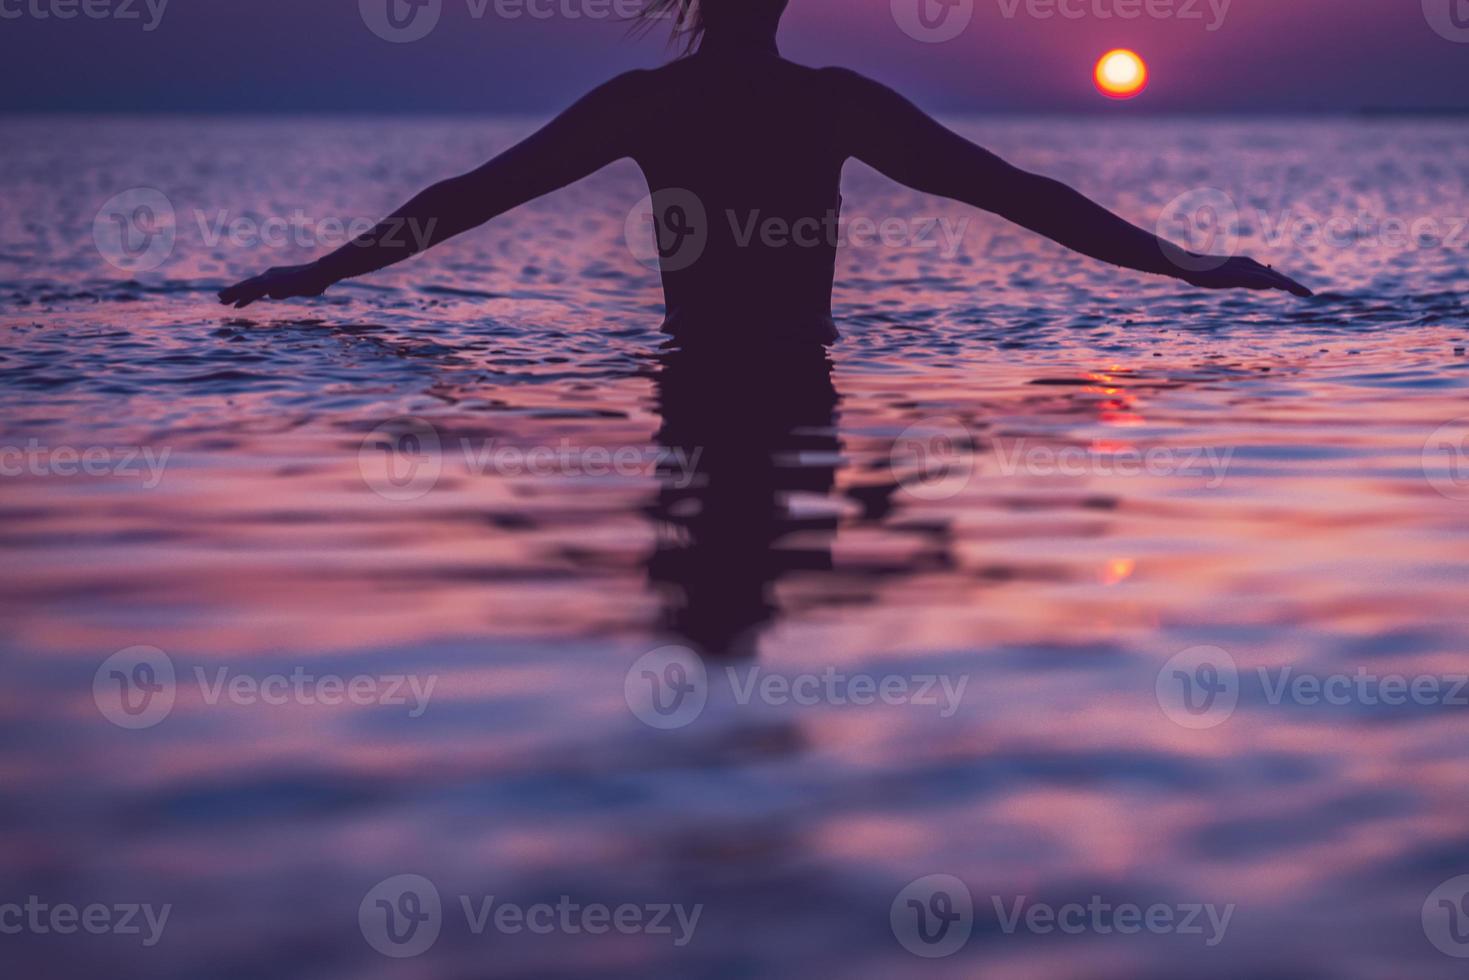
1240, 272
280, 282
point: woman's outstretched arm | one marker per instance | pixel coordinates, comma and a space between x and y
585, 138
895, 137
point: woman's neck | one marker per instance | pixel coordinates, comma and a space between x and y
731, 41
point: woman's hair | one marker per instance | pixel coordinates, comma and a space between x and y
687, 20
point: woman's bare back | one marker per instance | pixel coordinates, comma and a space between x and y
743, 157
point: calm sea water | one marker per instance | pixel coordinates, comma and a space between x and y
1082, 524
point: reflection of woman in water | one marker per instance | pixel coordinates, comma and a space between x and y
735, 142
727, 537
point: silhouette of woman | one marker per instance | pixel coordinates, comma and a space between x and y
734, 131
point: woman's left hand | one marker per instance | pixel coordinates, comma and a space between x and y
281, 282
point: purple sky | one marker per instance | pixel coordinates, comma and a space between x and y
319, 55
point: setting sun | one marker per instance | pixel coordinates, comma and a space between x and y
1121, 74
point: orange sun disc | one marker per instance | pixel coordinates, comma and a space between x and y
1121, 74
